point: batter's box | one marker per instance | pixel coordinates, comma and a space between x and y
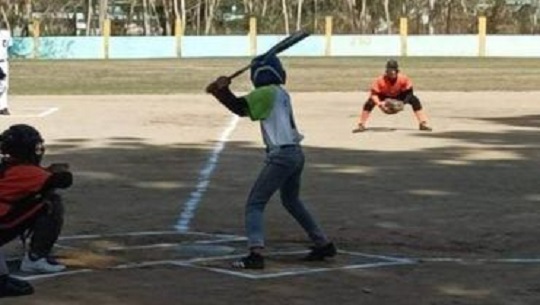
289, 263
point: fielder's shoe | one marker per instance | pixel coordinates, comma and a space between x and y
319, 253
252, 261
424, 127
359, 128
12, 287
40, 265
4, 111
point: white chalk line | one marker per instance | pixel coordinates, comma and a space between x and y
191, 205
43, 112
385, 260
217, 236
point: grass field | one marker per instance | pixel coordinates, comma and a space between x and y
32, 77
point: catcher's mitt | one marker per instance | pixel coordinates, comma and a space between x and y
393, 106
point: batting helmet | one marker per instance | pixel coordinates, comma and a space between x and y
267, 71
23, 143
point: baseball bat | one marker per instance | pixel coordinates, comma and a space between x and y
281, 46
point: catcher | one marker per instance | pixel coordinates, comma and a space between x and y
29, 204
390, 92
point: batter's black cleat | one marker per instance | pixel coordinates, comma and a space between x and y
4, 111
424, 127
320, 253
12, 287
252, 261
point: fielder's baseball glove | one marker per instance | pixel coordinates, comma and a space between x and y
393, 106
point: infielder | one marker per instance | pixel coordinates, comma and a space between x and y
270, 104
392, 85
5, 40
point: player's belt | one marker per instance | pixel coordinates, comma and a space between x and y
277, 147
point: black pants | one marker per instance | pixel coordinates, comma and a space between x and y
45, 227
414, 101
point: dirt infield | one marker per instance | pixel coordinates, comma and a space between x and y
455, 209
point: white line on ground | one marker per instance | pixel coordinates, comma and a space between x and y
41, 112
48, 112
190, 206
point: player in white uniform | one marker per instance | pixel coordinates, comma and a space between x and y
6, 42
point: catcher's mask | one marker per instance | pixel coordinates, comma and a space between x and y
267, 71
22, 143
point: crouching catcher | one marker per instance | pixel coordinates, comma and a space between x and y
29, 204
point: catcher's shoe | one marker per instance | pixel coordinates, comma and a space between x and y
252, 261
12, 287
41, 265
359, 128
319, 253
424, 127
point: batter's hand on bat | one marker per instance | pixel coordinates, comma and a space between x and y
219, 84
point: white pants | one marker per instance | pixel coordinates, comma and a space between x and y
4, 97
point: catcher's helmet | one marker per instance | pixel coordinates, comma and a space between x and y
267, 71
23, 143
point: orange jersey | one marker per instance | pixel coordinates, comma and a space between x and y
384, 88
17, 183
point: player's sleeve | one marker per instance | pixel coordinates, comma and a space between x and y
260, 102
376, 88
406, 83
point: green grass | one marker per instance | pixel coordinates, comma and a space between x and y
87, 77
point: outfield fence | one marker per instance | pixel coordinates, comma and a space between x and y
328, 44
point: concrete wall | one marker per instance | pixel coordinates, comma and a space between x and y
240, 46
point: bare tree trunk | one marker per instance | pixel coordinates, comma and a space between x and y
5, 18
27, 16
315, 15
431, 17
183, 15
449, 16
155, 16
363, 17
89, 13
264, 8
210, 13
146, 21
299, 15
285, 15
167, 16
103, 5
199, 17
387, 16
350, 4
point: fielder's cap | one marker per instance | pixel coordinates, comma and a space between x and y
392, 65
